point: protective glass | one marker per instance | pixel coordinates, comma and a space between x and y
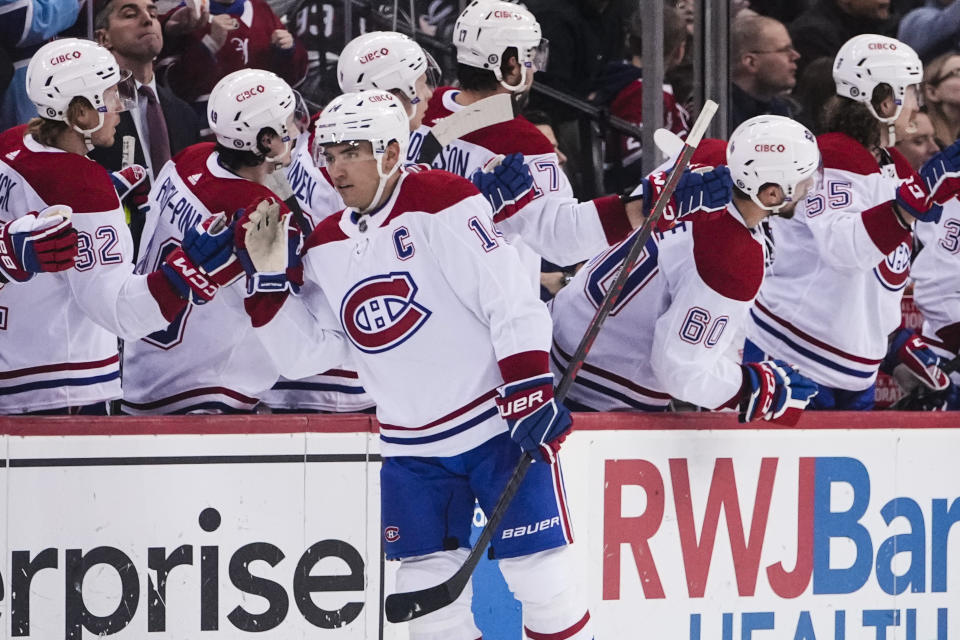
335, 154
301, 113
121, 96
541, 54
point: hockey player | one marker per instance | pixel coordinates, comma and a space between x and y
686, 301
833, 293
499, 48
412, 280
383, 60
194, 365
58, 349
934, 270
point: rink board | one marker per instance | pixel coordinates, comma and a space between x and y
687, 527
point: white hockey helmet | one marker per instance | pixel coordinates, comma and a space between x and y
65, 69
772, 150
385, 60
375, 116
245, 102
868, 60
487, 28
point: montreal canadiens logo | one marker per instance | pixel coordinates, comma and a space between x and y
380, 313
391, 534
893, 271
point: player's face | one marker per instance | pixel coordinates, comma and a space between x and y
353, 170
133, 30
548, 133
916, 141
424, 93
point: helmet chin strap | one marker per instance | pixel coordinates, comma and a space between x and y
515, 88
891, 129
384, 177
88, 133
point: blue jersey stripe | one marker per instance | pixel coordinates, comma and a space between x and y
810, 354
316, 386
62, 382
486, 415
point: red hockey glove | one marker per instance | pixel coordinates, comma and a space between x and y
774, 390
37, 243
910, 361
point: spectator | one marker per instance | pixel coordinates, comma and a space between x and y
623, 90
814, 89
240, 34
933, 29
586, 34
162, 124
916, 140
26, 26
165, 124
941, 86
763, 66
827, 24
542, 122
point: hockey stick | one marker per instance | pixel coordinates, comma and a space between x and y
277, 182
482, 113
401, 607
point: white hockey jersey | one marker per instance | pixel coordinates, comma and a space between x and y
208, 358
432, 305
840, 264
58, 331
669, 334
336, 390
936, 277
553, 225
311, 185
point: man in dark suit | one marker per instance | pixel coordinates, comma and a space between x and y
163, 124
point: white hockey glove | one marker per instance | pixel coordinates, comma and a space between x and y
269, 249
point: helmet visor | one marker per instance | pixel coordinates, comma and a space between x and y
121, 96
433, 73
301, 113
540, 55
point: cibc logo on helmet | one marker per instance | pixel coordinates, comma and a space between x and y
882, 46
64, 57
373, 55
769, 148
246, 94
506, 15
381, 98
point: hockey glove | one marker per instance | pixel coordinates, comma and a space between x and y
913, 198
505, 181
772, 390
941, 174
536, 422
37, 243
701, 189
204, 261
268, 247
910, 361
132, 182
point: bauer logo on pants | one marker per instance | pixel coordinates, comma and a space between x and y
380, 312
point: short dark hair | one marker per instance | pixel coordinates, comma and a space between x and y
240, 158
101, 19
477, 79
